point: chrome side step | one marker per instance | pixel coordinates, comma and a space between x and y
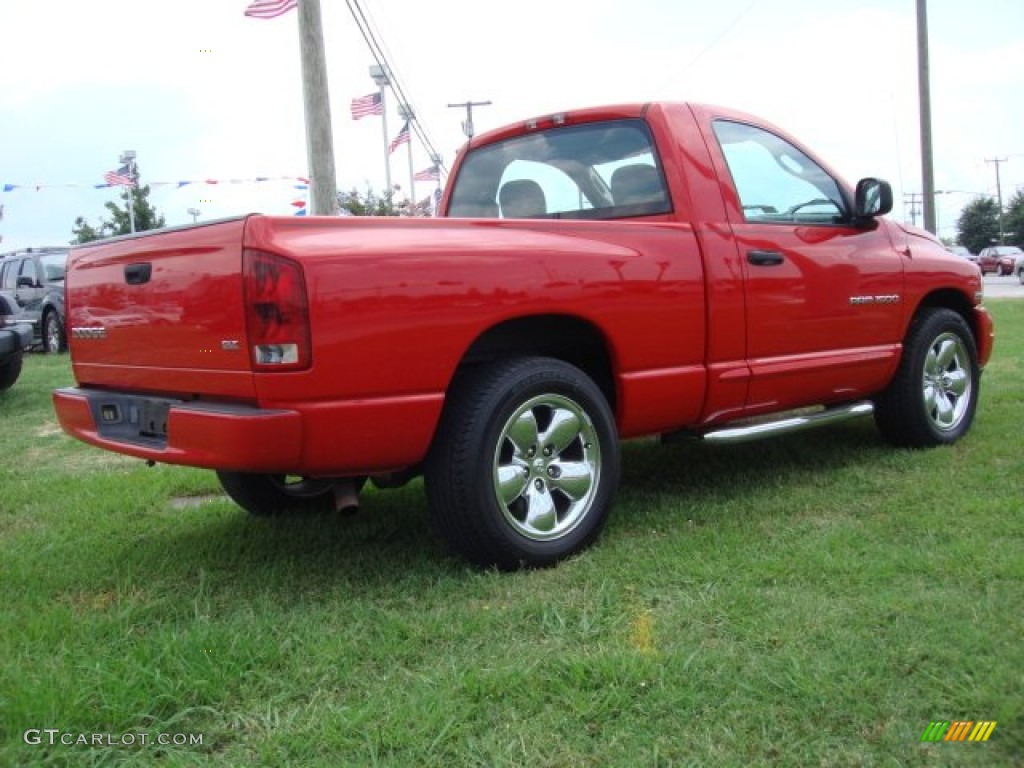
750, 432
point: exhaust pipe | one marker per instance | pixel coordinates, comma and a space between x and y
346, 496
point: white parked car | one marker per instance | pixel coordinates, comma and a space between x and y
960, 250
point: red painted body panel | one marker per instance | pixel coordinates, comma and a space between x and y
695, 334
174, 322
437, 285
259, 440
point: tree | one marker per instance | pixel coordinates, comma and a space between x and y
146, 217
85, 232
371, 204
978, 225
1013, 219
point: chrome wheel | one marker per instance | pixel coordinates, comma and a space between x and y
524, 464
933, 396
53, 335
947, 382
547, 467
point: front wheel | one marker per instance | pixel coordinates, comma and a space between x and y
933, 397
524, 465
268, 494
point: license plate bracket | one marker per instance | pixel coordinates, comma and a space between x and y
153, 418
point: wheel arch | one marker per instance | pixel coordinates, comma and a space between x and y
568, 338
950, 298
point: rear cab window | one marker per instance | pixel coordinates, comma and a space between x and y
602, 170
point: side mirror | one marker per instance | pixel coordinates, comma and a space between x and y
873, 198
24, 281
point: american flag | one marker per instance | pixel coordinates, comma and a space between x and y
269, 9
122, 177
364, 106
428, 174
400, 139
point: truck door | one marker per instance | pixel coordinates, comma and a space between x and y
823, 294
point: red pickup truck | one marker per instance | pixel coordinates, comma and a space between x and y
647, 269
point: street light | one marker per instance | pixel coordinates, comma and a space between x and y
194, 213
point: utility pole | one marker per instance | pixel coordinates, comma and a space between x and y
915, 198
999, 196
323, 185
924, 94
467, 125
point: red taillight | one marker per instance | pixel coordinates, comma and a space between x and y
276, 312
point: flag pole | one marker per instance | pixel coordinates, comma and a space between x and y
323, 185
128, 161
405, 111
380, 77
436, 202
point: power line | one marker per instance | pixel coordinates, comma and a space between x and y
724, 33
375, 33
377, 51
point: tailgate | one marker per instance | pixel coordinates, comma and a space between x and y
161, 312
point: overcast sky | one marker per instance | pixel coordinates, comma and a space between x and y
199, 91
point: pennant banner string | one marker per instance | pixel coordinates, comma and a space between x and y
178, 184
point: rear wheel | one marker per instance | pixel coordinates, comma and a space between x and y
269, 494
933, 397
524, 465
9, 372
53, 334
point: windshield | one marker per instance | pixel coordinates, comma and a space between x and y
600, 170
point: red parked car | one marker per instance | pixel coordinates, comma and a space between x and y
1001, 259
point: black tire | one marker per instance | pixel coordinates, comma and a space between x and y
54, 339
933, 397
9, 372
268, 494
500, 504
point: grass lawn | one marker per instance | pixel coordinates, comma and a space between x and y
813, 600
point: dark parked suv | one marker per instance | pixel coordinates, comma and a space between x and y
34, 279
14, 337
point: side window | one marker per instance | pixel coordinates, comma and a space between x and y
602, 170
28, 269
7, 275
775, 181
